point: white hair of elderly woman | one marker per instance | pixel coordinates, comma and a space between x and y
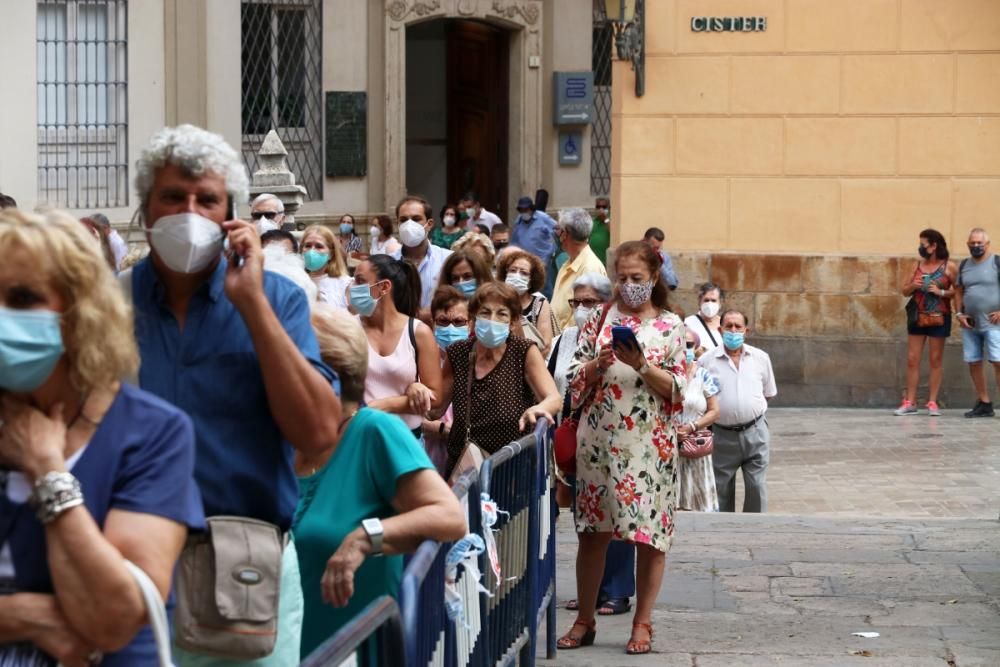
267, 196
577, 222
596, 282
278, 260
196, 151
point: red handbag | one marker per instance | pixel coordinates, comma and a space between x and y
698, 444
564, 438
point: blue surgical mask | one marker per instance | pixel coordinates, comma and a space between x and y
346, 228
689, 354
30, 347
315, 260
491, 333
445, 336
467, 287
733, 340
362, 300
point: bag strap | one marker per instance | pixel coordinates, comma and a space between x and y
707, 330
468, 392
411, 329
554, 357
155, 610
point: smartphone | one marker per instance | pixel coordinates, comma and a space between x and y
234, 259
624, 336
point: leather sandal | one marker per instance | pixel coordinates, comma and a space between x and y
569, 641
636, 647
615, 606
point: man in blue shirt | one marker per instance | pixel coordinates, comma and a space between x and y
534, 231
230, 345
654, 237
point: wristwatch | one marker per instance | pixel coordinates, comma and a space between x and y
644, 368
54, 493
373, 528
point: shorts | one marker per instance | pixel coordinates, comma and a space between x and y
973, 341
941, 331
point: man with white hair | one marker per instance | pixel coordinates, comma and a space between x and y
267, 212
977, 304
232, 346
573, 231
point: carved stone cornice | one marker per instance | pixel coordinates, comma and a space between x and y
529, 11
400, 10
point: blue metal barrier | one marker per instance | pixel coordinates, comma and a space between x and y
545, 583
375, 637
430, 637
511, 477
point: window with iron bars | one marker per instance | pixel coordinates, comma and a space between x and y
600, 132
82, 90
282, 88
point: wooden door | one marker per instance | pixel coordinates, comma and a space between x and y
477, 113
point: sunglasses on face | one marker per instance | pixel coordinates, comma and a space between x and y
270, 215
689, 344
586, 303
457, 322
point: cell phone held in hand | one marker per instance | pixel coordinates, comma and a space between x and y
624, 337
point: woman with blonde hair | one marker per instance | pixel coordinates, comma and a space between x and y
326, 265
374, 471
92, 472
477, 242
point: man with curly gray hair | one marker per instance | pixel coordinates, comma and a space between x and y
232, 346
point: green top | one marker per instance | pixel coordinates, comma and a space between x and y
443, 240
358, 482
600, 239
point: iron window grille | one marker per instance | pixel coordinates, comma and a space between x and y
282, 86
82, 90
602, 46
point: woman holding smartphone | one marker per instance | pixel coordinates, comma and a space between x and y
628, 376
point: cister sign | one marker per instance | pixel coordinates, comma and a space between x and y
728, 23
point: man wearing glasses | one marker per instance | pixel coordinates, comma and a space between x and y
977, 304
267, 213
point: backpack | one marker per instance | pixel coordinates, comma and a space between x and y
961, 267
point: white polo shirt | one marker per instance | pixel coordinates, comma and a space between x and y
485, 218
429, 269
744, 391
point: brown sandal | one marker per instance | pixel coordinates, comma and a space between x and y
568, 641
636, 647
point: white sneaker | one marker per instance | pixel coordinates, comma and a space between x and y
907, 408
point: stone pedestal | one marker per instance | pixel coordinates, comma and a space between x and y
275, 178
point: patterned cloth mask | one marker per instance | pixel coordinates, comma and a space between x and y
635, 294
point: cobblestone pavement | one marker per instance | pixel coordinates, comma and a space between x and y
877, 524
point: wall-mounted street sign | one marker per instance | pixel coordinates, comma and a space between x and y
728, 24
573, 98
570, 147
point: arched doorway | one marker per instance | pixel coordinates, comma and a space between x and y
456, 111
515, 163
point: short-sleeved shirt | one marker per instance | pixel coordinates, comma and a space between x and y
980, 282
667, 270
211, 371
537, 236
358, 482
600, 238
744, 391
429, 269
585, 262
140, 459
485, 218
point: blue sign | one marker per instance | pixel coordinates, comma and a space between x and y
570, 148
572, 98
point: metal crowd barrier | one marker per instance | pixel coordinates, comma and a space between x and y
374, 638
513, 478
431, 638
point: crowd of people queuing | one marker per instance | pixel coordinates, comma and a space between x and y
305, 398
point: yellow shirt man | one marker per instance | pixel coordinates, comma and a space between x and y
585, 262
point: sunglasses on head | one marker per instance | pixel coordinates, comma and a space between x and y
257, 215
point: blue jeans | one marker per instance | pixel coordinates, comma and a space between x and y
973, 342
290, 610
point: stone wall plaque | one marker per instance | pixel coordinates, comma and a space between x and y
346, 133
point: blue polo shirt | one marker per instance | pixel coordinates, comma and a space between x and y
210, 370
537, 236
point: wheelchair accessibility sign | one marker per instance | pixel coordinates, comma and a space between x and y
570, 148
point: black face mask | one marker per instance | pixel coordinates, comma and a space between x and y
924, 252
977, 251
500, 245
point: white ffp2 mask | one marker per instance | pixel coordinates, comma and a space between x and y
186, 242
412, 233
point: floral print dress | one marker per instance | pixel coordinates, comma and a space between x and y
626, 461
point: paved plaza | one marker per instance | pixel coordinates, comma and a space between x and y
876, 524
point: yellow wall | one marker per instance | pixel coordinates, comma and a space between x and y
845, 128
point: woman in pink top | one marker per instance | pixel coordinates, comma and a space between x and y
404, 372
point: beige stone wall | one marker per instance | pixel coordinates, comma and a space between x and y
796, 167
845, 128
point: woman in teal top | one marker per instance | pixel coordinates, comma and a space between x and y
449, 231
377, 470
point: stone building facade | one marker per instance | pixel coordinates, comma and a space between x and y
797, 165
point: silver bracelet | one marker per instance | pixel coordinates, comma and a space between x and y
54, 493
